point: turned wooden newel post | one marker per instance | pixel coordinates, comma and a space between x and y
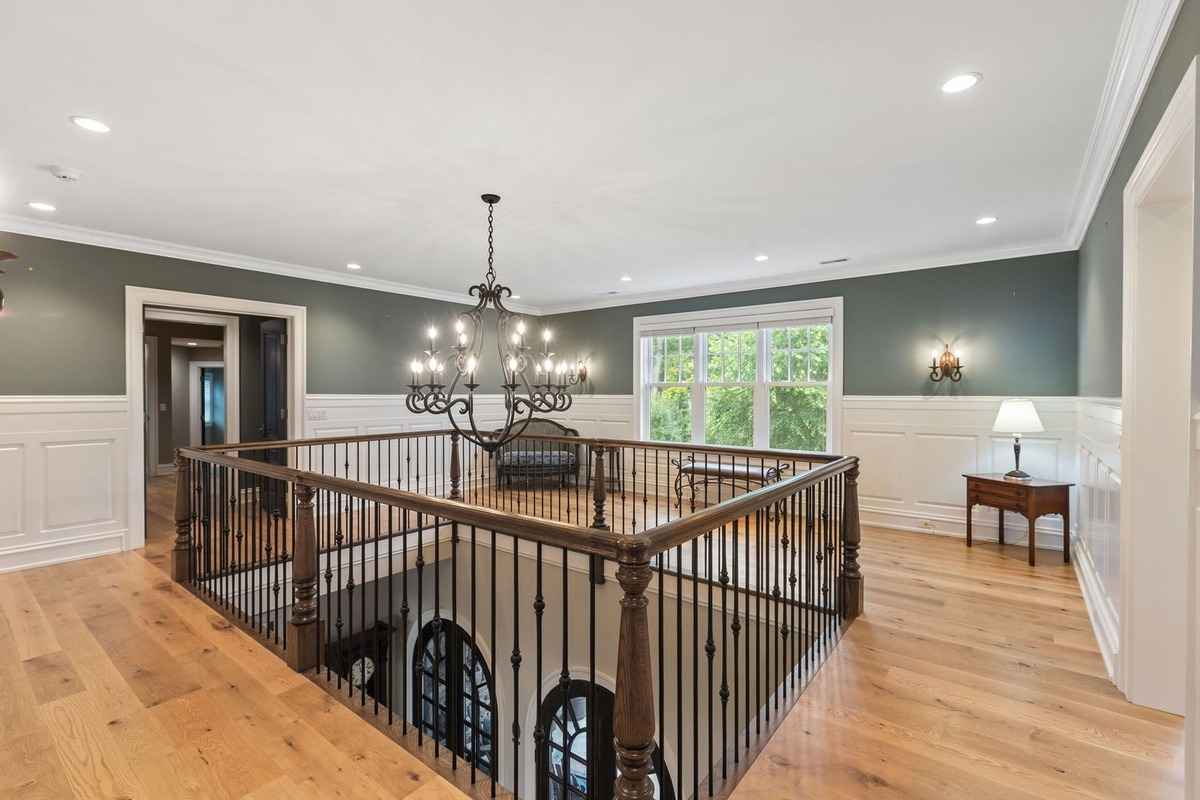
599, 489
455, 467
181, 555
633, 720
852, 580
304, 634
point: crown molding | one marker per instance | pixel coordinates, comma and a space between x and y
832, 273
11, 223
1143, 34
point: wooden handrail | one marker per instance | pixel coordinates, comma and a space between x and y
686, 447
559, 534
593, 540
684, 529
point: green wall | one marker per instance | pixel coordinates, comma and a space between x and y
63, 331
1015, 319
1101, 252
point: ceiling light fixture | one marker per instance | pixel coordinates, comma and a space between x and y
761, 257
985, 221
90, 124
547, 392
38, 205
960, 83
626, 278
353, 266
192, 344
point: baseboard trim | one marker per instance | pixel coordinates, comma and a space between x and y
63, 550
1103, 618
955, 527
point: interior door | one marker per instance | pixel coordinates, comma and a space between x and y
212, 405
274, 364
273, 344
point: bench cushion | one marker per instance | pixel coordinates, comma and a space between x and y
533, 458
742, 471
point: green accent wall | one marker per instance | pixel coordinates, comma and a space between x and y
63, 330
1015, 320
1100, 255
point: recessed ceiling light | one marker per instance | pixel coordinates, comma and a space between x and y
354, 266
960, 83
985, 221
760, 257
626, 278
38, 205
89, 124
192, 344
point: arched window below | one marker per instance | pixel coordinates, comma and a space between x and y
453, 695
563, 757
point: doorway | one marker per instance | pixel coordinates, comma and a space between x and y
142, 305
1157, 406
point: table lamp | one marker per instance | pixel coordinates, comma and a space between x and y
1017, 416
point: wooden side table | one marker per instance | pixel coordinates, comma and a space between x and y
1032, 498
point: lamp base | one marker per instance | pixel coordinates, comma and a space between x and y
1017, 475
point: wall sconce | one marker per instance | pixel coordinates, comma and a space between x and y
946, 365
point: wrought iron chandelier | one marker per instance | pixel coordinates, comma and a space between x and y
545, 393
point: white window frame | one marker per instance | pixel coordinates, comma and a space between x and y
764, 317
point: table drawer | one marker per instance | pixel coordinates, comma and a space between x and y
1009, 501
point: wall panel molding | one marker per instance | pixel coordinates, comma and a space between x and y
915, 449
63, 492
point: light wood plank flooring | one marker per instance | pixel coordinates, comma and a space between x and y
115, 683
971, 675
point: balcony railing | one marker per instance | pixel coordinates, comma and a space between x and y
701, 586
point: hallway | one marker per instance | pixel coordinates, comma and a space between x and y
970, 675
118, 683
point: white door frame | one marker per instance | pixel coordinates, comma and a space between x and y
1156, 642
194, 411
150, 411
230, 359
137, 299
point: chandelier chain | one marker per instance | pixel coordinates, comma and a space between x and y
491, 271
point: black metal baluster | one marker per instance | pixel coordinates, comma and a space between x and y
474, 666
496, 726
515, 660
735, 628
419, 702
539, 607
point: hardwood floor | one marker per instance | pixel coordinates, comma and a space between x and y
115, 683
970, 675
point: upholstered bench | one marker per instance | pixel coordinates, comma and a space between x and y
703, 472
530, 457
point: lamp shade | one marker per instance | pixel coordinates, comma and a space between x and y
1017, 416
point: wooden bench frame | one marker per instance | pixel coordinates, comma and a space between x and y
687, 468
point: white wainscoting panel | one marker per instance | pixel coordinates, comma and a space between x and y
63, 492
1097, 543
914, 450
602, 416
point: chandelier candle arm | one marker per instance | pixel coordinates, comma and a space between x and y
547, 393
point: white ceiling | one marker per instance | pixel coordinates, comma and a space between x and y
668, 140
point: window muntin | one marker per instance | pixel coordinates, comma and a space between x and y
672, 369
563, 757
774, 383
457, 711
